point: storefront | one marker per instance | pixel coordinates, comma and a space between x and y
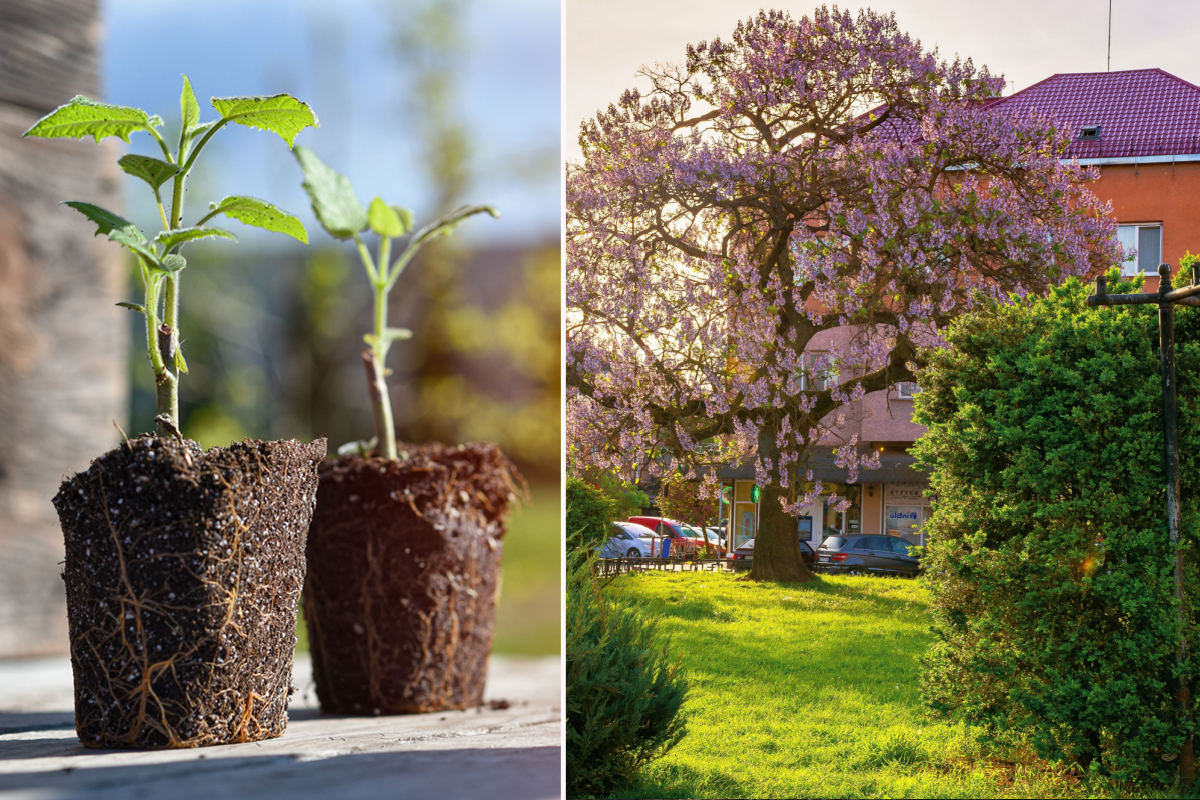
890, 500
905, 510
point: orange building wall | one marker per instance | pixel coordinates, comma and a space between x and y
1157, 193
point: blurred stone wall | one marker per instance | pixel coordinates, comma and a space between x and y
63, 374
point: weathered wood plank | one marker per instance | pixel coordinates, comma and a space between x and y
502, 750
62, 341
48, 52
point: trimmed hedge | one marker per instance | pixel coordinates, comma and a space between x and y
589, 516
1048, 559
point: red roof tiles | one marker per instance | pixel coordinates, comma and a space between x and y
1141, 112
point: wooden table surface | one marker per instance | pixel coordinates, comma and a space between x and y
503, 750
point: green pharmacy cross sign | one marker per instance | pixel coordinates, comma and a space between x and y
755, 493
1167, 299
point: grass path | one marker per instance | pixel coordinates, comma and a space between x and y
812, 691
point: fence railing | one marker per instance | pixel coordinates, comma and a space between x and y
617, 566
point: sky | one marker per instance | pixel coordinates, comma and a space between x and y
336, 55
1025, 40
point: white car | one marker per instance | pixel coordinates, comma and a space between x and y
629, 540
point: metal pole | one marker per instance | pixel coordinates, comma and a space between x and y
1109, 67
1166, 349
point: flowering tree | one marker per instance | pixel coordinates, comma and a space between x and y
807, 175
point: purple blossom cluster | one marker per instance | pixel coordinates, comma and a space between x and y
805, 176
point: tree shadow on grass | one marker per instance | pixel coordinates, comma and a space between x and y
674, 780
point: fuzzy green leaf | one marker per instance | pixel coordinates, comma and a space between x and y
173, 262
406, 218
279, 113
153, 171
106, 221
180, 363
384, 220
333, 199
444, 225
133, 307
189, 109
171, 238
86, 117
260, 214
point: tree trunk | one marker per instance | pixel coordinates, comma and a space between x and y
777, 543
62, 341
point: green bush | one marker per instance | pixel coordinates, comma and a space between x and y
1049, 560
589, 516
624, 694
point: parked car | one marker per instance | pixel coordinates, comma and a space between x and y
869, 553
683, 543
718, 533
629, 540
743, 557
716, 548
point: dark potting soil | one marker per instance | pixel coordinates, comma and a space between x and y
183, 570
404, 563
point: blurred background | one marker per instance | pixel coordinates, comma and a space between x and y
428, 104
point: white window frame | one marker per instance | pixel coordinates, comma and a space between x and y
907, 390
1130, 266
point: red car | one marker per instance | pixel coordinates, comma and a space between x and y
686, 542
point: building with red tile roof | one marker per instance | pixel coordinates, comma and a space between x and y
1142, 129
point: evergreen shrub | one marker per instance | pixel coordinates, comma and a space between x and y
624, 693
1048, 560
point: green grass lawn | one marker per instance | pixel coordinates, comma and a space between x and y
529, 617
812, 691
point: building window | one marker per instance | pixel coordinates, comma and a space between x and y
907, 390
818, 373
1089, 132
1146, 240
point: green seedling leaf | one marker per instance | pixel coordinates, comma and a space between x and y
279, 113
118, 229
177, 236
333, 199
406, 218
86, 117
180, 363
260, 214
173, 262
384, 220
133, 307
389, 335
153, 171
189, 109
444, 225
106, 221
198, 130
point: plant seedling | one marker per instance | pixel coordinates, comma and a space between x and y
159, 260
343, 217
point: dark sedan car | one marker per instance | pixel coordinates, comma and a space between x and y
743, 557
870, 553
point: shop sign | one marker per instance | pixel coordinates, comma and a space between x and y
909, 494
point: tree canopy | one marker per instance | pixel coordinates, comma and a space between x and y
806, 175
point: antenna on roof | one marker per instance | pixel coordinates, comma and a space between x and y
1109, 69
